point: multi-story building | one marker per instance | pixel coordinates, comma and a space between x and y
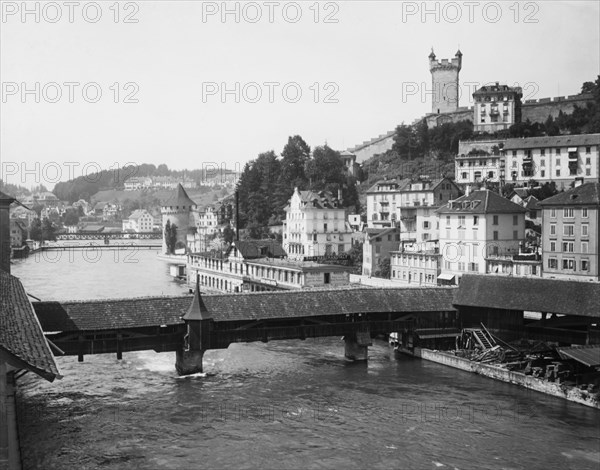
497, 107
315, 225
480, 161
135, 183
570, 233
377, 245
561, 159
419, 265
383, 200
260, 265
139, 221
410, 205
476, 226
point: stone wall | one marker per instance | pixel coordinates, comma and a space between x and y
539, 110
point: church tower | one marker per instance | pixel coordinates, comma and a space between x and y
444, 79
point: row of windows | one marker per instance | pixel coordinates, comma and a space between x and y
463, 218
461, 266
569, 230
569, 264
414, 277
569, 212
588, 149
569, 247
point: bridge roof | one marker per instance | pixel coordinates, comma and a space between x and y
21, 337
155, 311
530, 294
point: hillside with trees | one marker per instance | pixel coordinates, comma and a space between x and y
267, 182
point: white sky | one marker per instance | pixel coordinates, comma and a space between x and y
171, 51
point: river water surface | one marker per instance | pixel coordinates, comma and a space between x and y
280, 405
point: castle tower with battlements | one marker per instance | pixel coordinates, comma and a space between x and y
444, 80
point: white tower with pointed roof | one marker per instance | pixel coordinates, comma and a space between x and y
177, 210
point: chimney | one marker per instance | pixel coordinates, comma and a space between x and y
578, 182
5, 202
468, 190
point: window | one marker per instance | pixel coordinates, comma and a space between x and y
552, 246
542, 162
447, 264
584, 213
568, 230
552, 263
515, 219
473, 267
543, 173
495, 235
584, 230
325, 227
558, 162
378, 249
568, 212
464, 175
557, 172
514, 153
588, 161
461, 220
475, 220
341, 248
588, 149
461, 266
326, 278
495, 220
588, 172
557, 151
568, 264
447, 221
426, 225
584, 247
543, 152
474, 250
585, 265
568, 247
515, 234
553, 213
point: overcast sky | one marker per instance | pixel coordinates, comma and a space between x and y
177, 56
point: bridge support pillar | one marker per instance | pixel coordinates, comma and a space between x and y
356, 347
188, 361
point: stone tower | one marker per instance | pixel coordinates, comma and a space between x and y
444, 79
177, 209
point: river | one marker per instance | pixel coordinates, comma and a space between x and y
285, 404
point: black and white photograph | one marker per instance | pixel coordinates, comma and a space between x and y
280, 235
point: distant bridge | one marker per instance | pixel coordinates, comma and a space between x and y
115, 247
109, 235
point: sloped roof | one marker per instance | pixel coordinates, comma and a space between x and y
586, 194
21, 335
179, 198
483, 201
552, 141
139, 213
373, 233
250, 249
6, 199
321, 199
532, 203
153, 311
401, 184
531, 294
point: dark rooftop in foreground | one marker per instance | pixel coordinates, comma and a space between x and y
21, 336
531, 294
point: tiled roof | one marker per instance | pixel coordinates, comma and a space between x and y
138, 214
536, 295
321, 199
483, 201
586, 194
251, 249
401, 184
154, 311
552, 141
20, 333
532, 203
180, 198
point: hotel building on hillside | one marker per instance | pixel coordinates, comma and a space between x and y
476, 226
571, 233
561, 159
315, 225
